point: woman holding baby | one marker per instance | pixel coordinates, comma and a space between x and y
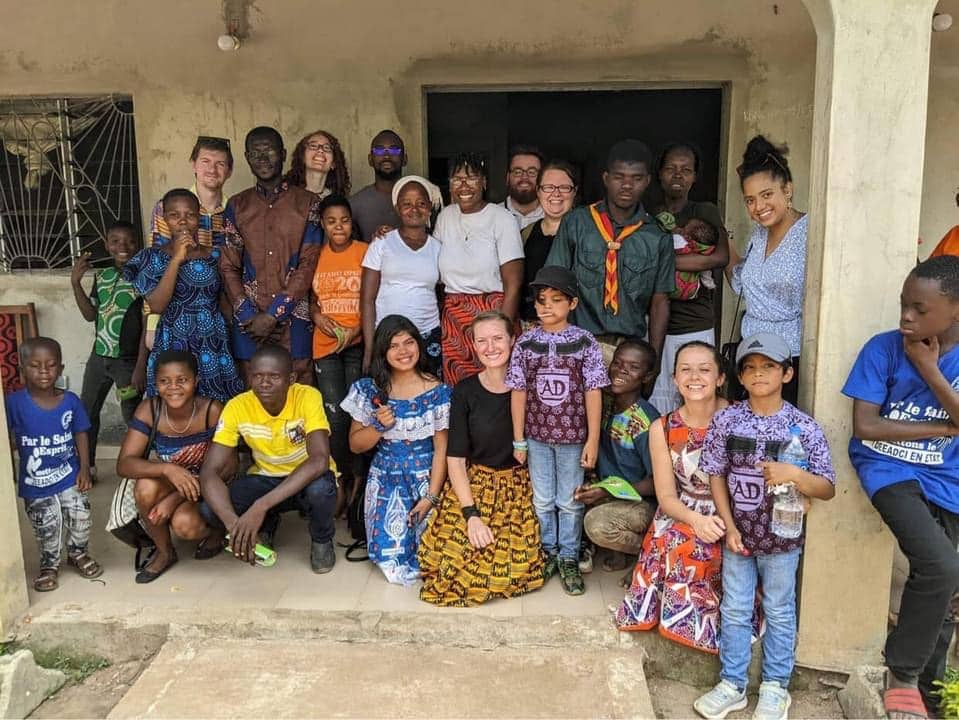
702, 248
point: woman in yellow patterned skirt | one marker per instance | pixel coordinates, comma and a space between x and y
484, 540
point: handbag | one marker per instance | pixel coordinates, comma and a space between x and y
124, 521
356, 522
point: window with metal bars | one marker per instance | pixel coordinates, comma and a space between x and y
68, 169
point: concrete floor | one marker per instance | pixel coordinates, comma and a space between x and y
225, 582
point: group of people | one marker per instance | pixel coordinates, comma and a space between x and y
507, 387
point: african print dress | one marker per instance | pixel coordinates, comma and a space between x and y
677, 579
399, 474
191, 320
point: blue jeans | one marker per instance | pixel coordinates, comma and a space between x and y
334, 375
555, 472
317, 500
777, 572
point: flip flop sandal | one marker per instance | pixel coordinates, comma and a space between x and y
85, 565
46, 580
904, 701
207, 548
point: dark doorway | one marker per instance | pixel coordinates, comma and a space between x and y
576, 125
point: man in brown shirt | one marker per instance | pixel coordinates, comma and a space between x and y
272, 244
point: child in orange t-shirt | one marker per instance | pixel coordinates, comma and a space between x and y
337, 333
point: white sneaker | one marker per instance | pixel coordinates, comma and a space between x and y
720, 701
774, 702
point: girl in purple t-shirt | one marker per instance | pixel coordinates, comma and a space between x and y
556, 375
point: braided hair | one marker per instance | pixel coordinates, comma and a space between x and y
337, 180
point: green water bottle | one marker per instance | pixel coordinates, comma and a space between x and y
262, 554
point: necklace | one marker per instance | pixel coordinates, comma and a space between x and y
173, 428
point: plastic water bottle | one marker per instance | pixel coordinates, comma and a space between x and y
787, 505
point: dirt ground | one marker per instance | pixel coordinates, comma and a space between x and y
94, 697
673, 699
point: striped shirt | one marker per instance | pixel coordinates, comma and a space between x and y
278, 442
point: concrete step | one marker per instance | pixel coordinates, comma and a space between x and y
221, 678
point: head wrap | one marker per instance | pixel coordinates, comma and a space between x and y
436, 197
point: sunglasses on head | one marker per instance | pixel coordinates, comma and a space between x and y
380, 151
210, 139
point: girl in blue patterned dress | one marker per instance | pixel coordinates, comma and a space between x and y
181, 282
403, 411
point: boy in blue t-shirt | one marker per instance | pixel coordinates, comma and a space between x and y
49, 428
906, 406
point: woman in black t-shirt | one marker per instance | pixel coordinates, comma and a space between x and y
556, 191
486, 512
692, 315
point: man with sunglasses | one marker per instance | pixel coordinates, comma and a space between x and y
522, 177
373, 205
212, 164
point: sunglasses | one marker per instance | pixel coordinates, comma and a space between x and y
380, 151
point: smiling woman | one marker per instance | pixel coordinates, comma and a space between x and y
771, 275
481, 263
319, 165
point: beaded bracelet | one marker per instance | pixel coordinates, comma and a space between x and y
469, 511
434, 499
521, 445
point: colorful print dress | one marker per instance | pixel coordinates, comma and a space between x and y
191, 321
677, 580
399, 474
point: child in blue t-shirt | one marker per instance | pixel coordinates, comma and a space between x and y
49, 428
905, 412
740, 455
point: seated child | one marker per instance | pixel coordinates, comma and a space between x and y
119, 356
613, 522
740, 455
905, 412
49, 427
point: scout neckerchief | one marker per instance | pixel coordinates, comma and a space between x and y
605, 227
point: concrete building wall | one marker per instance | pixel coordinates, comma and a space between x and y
354, 68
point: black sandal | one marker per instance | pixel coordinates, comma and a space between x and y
148, 576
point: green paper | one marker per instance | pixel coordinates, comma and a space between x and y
619, 488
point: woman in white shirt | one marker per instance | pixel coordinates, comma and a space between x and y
481, 264
401, 270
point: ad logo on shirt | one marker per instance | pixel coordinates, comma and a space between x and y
552, 386
746, 486
66, 420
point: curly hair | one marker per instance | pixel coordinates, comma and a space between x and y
338, 179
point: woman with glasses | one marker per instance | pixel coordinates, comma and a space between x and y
319, 165
556, 192
481, 263
692, 314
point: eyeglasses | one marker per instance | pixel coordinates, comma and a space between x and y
320, 147
465, 179
380, 150
528, 172
561, 189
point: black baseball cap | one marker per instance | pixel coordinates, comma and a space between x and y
558, 278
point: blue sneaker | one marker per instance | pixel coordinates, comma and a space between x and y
720, 701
